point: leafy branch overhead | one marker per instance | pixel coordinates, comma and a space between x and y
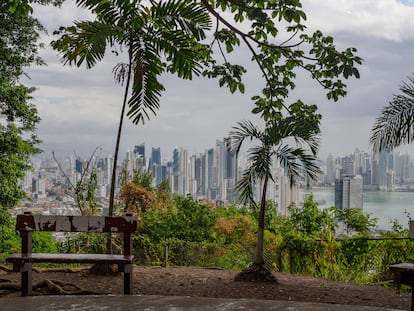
279, 54
395, 125
173, 36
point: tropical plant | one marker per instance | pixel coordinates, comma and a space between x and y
169, 36
158, 37
273, 145
395, 125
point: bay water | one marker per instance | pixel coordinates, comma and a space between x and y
384, 205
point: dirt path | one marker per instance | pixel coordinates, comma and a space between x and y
206, 282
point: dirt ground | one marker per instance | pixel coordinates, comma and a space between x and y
208, 282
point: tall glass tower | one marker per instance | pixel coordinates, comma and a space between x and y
348, 192
140, 150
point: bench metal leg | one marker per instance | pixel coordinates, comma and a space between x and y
26, 278
128, 286
412, 297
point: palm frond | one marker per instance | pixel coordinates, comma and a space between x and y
186, 15
298, 163
182, 53
261, 158
312, 143
244, 130
146, 89
244, 188
84, 42
395, 125
109, 11
145, 98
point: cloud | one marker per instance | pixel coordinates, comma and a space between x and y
80, 108
386, 19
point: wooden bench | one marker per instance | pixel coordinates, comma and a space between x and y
404, 274
27, 223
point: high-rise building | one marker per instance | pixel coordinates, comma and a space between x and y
183, 174
155, 162
330, 169
401, 167
139, 151
79, 166
176, 161
382, 162
209, 165
155, 156
348, 192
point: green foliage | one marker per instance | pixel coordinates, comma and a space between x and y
394, 126
9, 240
143, 179
302, 242
355, 220
188, 220
274, 145
43, 242
23, 7
18, 118
83, 243
269, 217
310, 221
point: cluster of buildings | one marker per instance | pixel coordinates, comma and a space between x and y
390, 171
213, 175
361, 171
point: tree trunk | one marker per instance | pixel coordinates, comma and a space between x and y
259, 260
258, 272
118, 138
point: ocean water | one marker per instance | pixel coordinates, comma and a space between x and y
384, 205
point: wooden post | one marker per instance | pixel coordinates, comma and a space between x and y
26, 267
166, 256
411, 229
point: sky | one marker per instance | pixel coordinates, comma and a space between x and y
80, 108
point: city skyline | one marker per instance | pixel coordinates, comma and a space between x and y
80, 108
213, 175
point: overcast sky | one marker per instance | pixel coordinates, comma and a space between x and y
80, 108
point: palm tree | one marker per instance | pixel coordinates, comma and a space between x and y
273, 144
395, 125
158, 38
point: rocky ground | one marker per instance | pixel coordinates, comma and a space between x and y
207, 282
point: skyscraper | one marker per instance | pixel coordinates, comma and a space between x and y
139, 151
155, 156
79, 166
348, 192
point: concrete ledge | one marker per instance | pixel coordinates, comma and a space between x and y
163, 303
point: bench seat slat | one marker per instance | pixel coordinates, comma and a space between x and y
403, 267
70, 258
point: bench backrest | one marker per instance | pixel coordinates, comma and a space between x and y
121, 224
27, 223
